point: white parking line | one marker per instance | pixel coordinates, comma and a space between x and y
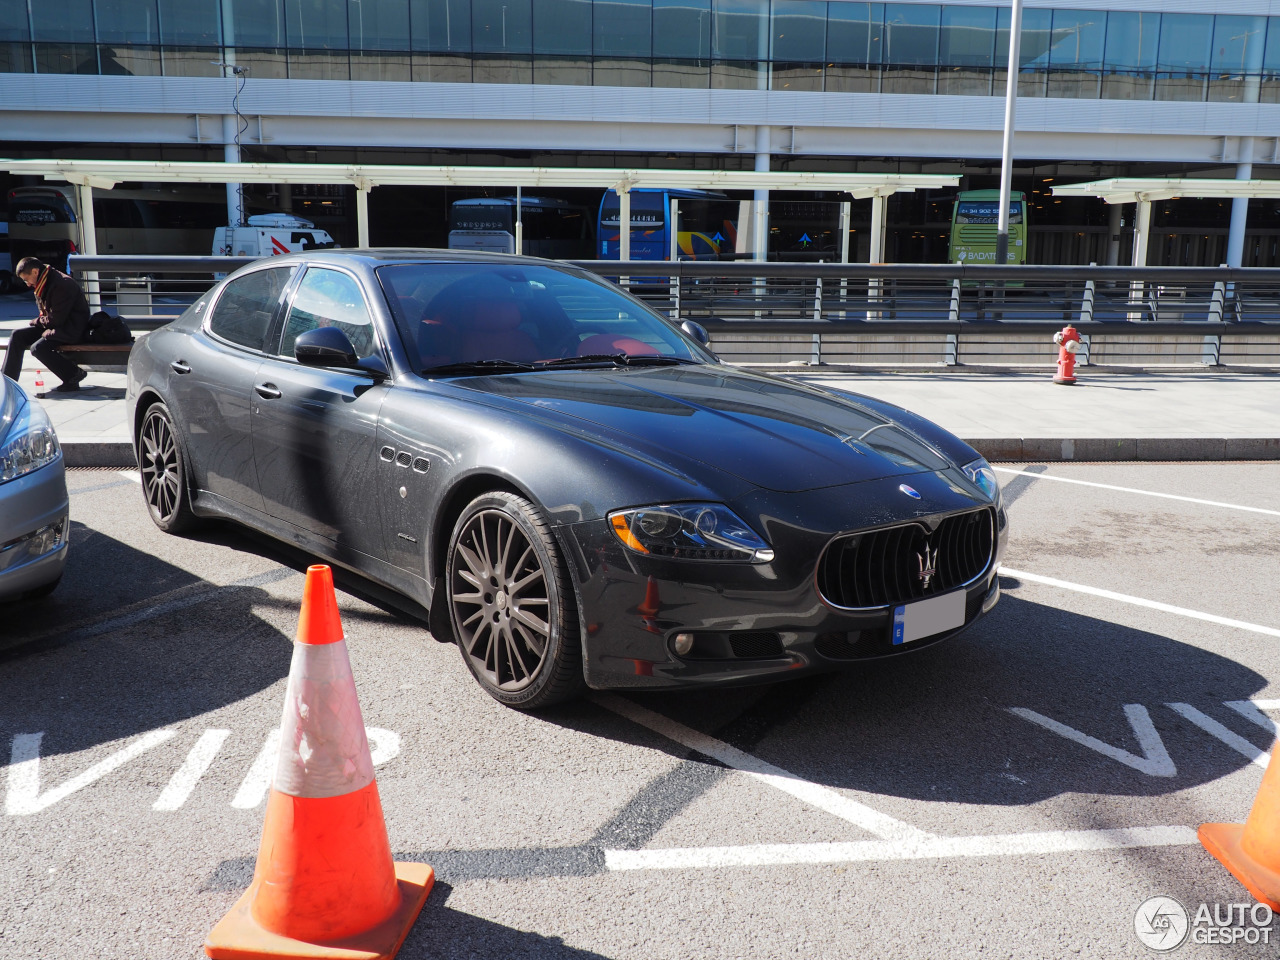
824, 798
1009, 844
1215, 729
131, 475
1140, 602
1145, 493
179, 788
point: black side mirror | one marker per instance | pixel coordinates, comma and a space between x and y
324, 347
695, 330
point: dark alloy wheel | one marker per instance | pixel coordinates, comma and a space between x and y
164, 475
511, 604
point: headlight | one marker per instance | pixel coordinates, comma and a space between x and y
980, 472
29, 444
689, 531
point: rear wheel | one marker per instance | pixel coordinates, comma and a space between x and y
164, 472
511, 604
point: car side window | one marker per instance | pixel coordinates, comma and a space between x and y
329, 298
246, 306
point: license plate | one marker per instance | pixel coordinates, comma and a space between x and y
924, 618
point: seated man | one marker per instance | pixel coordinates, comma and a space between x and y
63, 319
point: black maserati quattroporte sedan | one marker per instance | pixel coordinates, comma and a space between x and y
573, 487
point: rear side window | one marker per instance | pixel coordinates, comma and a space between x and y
247, 304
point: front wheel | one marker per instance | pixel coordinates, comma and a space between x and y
511, 603
164, 472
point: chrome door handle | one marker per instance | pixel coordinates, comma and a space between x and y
268, 391
180, 366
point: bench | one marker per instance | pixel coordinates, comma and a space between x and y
97, 354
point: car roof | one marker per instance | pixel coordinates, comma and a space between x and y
378, 256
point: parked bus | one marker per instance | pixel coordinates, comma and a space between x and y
44, 221
552, 228
708, 228
974, 221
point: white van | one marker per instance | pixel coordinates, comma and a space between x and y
269, 235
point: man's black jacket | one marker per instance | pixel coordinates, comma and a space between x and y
64, 312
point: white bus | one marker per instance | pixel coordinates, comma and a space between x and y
44, 221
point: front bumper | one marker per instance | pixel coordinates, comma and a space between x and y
34, 530
752, 622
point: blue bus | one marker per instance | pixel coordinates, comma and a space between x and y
708, 227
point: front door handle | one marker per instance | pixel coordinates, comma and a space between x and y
180, 366
267, 391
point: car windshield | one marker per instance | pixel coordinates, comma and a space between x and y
461, 317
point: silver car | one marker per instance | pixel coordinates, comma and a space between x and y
34, 524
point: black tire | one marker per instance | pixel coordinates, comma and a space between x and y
164, 472
511, 605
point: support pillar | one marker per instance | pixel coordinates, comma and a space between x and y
760, 209
231, 154
89, 244
879, 208
362, 213
1240, 205
1115, 218
519, 221
624, 220
1141, 232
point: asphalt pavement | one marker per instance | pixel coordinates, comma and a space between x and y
1029, 790
1015, 414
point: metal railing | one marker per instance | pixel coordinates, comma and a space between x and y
791, 313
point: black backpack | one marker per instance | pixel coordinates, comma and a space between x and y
104, 328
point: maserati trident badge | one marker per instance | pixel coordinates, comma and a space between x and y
928, 566
909, 491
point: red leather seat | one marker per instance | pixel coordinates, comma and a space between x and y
611, 343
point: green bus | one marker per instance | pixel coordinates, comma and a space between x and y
974, 221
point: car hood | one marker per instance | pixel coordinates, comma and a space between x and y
768, 432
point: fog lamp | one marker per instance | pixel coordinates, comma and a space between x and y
682, 643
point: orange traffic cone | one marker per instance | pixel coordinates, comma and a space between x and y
649, 606
1251, 851
325, 885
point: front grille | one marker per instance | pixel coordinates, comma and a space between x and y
880, 568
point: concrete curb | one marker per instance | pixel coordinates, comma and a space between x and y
97, 453
119, 453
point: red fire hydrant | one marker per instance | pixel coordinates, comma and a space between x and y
1068, 341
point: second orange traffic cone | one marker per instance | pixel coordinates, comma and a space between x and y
325, 885
1251, 851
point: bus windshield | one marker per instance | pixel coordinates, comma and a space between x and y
986, 211
38, 208
481, 216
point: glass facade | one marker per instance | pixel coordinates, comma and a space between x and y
796, 45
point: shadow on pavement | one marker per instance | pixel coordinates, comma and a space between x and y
938, 725
109, 656
448, 934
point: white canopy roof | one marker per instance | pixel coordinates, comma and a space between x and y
107, 173
1145, 189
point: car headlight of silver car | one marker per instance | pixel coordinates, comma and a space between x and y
29, 444
980, 472
689, 531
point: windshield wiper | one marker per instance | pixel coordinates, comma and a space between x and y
478, 366
619, 359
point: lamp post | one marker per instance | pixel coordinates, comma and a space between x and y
1006, 155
